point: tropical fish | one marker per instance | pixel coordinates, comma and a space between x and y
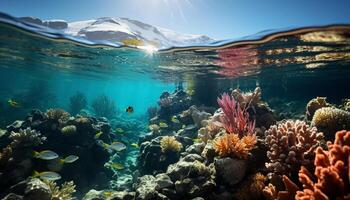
119, 130
98, 135
135, 145
197, 140
50, 176
175, 120
117, 146
129, 109
116, 166
46, 155
13, 103
70, 159
163, 125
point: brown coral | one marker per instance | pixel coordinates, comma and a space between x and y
248, 98
5, 156
291, 145
58, 115
315, 104
252, 188
230, 145
169, 143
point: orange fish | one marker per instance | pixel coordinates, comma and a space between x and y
129, 109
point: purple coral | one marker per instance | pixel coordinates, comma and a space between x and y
235, 119
292, 145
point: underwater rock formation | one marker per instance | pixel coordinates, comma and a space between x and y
171, 104
329, 120
292, 145
315, 104
231, 171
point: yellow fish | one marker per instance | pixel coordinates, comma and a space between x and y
119, 130
163, 125
46, 155
13, 103
50, 176
197, 140
70, 159
135, 145
116, 166
153, 127
98, 135
175, 120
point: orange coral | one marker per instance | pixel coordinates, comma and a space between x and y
332, 174
230, 145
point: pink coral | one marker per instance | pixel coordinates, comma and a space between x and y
235, 119
292, 145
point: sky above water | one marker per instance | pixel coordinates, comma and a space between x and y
219, 19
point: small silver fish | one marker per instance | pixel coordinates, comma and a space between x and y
70, 159
50, 176
46, 155
117, 146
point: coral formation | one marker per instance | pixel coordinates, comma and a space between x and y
103, 106
69, 130
230, 145
169, 143
332, 178
248, 99
252, 188
58, 115
235, 119
77, 102
64, 192
315, 104
26, 138
292, 145
329, 120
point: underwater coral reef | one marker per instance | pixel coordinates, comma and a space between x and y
236, 150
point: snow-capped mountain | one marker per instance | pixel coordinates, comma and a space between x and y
121, 29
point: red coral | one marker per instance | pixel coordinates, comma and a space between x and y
235, 119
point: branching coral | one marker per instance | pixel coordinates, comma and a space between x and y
58, 115
64, 192
291, 145
247, 99
315, 104
230, 145
252, 188
329, 120
26, 138
77, 102
169, 143
235, 119
332, 174
103, 106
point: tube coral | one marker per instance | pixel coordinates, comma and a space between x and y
292, 144
235, 119
230, 145
169, 143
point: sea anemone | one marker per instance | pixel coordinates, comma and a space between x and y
329, 120
235, 119
292, 145
169, 143
230, 145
